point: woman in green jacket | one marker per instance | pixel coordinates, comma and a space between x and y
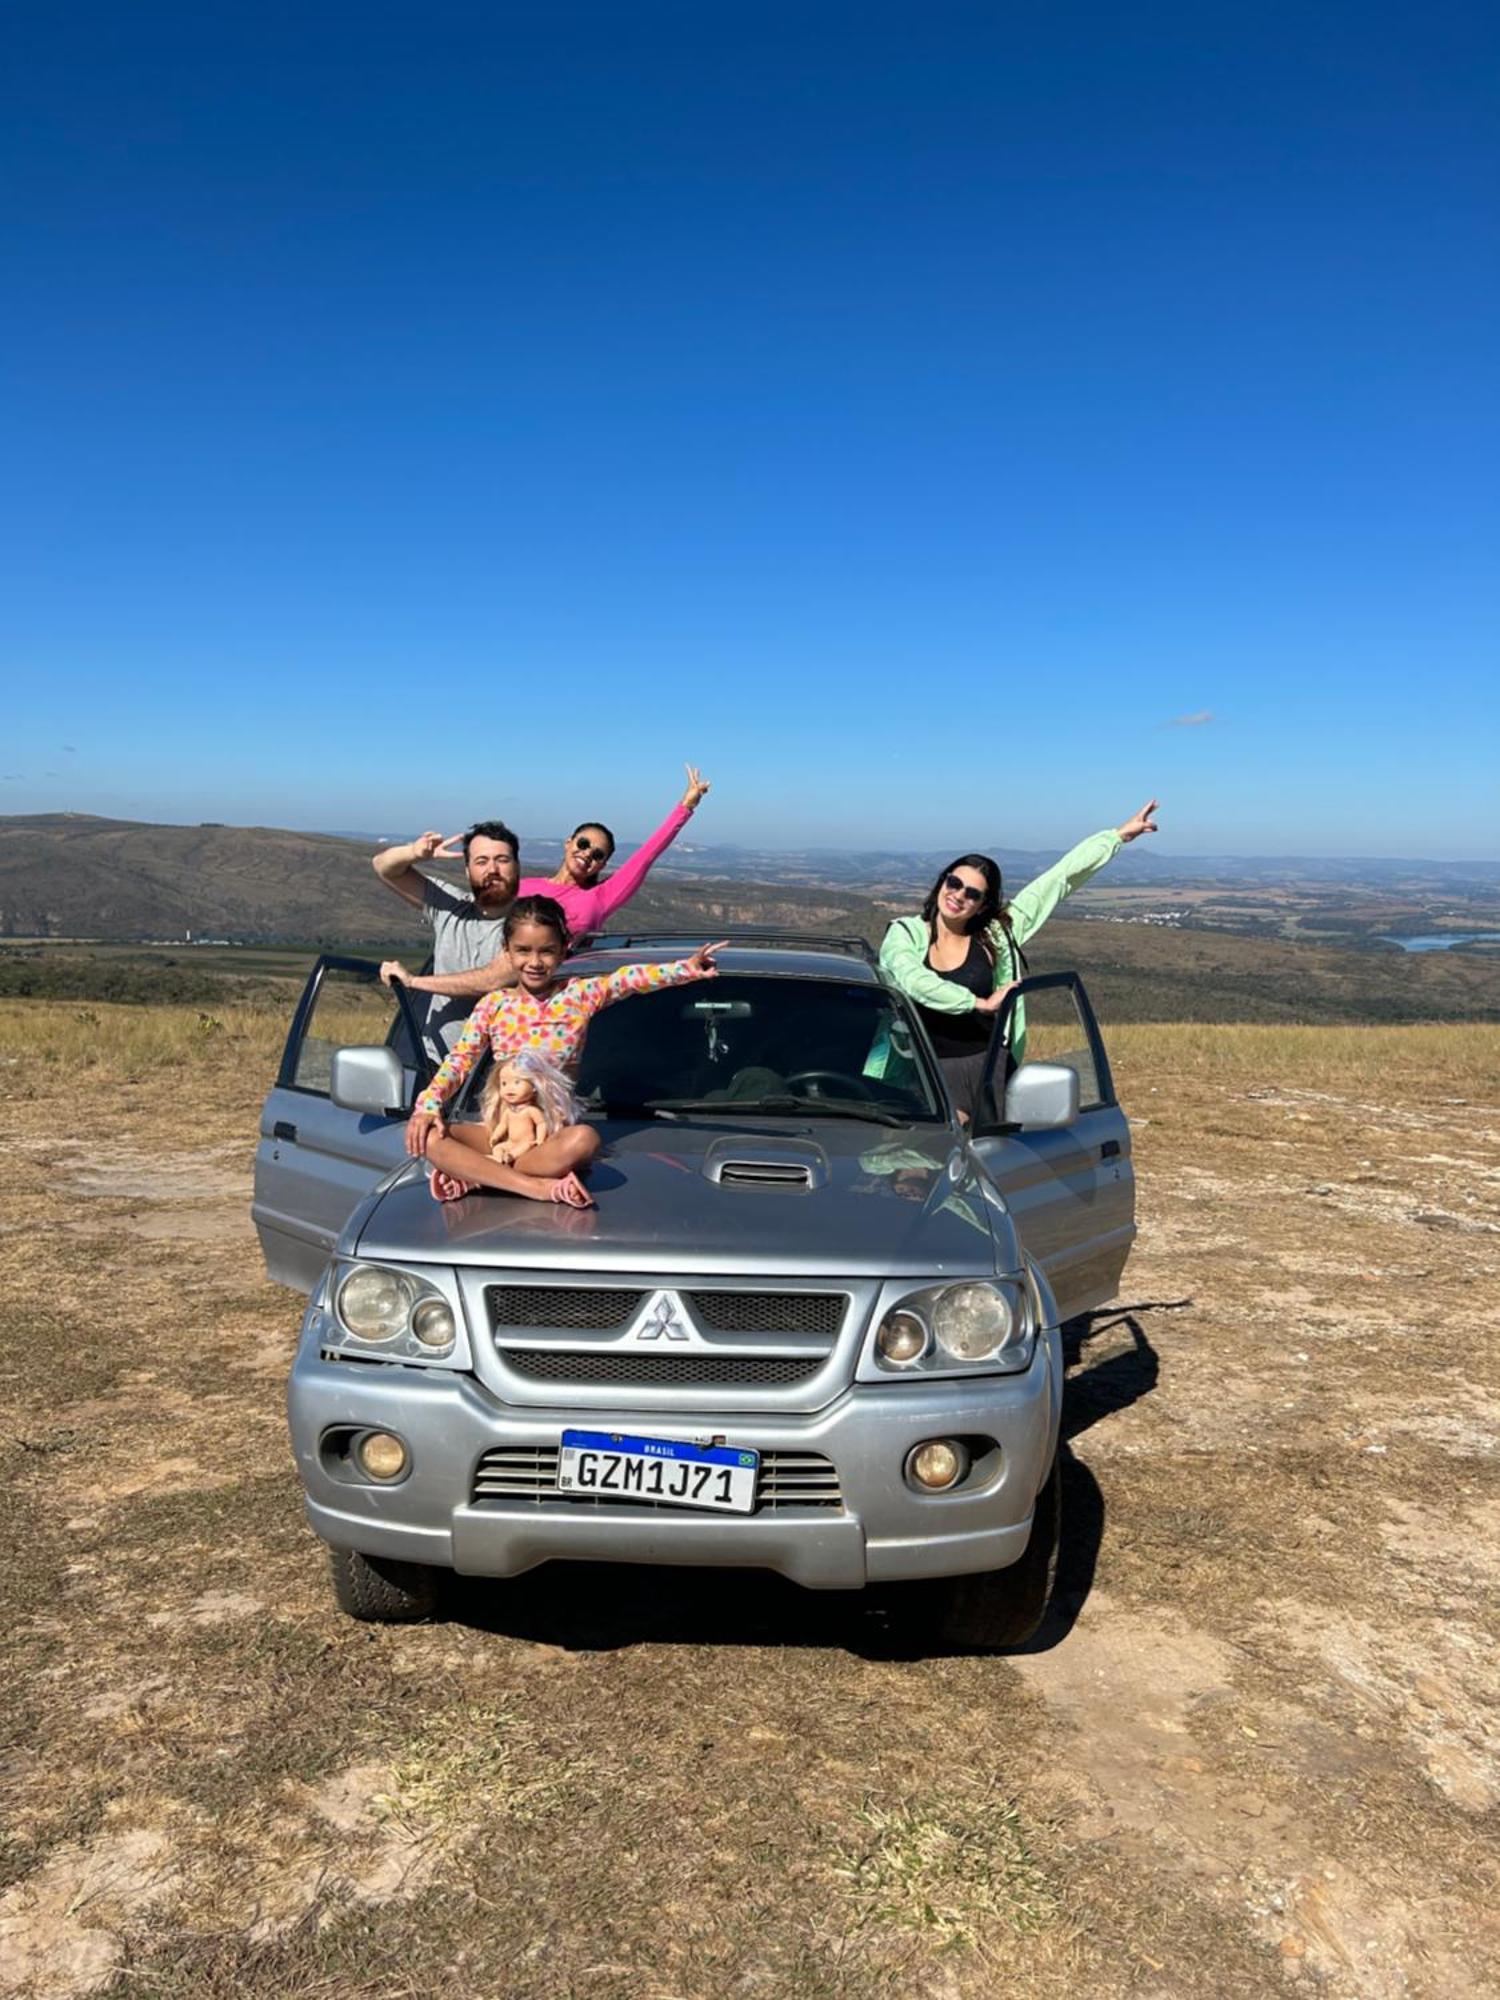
962, 954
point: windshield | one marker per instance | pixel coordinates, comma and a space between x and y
761, 1046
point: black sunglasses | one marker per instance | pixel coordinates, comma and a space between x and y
956, 886
588, 847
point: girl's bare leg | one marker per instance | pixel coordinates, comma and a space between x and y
567, 1152
464, 1156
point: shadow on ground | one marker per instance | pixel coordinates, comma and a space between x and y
1102, 1389
602, 1607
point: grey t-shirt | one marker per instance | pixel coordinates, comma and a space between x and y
463, 939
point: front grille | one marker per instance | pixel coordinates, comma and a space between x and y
580, 1308
527, 1472
694, 1369
770, 1312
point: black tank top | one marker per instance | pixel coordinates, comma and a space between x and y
962, 1034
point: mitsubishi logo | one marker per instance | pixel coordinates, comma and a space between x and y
661, 1321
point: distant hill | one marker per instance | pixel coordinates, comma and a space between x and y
877, 869
74, 876
71, 875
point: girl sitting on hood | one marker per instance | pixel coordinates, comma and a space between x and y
549, 1015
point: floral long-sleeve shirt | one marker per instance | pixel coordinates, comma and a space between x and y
555, 1025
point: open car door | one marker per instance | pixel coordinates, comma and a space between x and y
317, 1159
1070, 1187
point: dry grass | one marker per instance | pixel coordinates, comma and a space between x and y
120, 1044
1446, 1057
1260, 1743
961, 1872
476, 1750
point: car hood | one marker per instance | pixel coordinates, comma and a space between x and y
881, 1202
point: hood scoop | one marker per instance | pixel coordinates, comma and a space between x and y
769, 1166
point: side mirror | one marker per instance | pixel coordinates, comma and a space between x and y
1040, 1095
369, 1080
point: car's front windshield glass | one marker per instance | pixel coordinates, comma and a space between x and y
759, 1047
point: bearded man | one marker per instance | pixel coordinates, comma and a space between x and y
466, 930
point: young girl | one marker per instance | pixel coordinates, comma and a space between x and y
549, 1016
525, 1101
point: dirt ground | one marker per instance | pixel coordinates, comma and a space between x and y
1256, 1749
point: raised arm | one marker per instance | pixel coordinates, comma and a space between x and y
619, 887
903, 954
609, 987
1030, 909
396, 866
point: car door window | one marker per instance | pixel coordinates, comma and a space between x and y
1070, 1188
1055, 1032
316, 1159
1049, 1020
347, 1007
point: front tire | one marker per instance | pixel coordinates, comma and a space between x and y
379, 1591
1000, 1609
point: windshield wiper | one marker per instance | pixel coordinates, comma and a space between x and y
779, 1107
665, 1107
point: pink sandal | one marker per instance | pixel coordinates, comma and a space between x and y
570, 1190
447, 1187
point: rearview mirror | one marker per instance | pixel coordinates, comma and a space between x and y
1042, 1095
370, 1080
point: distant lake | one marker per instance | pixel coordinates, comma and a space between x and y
1443, 943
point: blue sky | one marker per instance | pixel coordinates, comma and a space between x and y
911, 414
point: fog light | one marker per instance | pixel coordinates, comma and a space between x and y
938, 1464
902, 1337
381, 1455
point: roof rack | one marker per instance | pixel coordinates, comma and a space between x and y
857, 947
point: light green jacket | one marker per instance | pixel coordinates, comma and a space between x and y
903, 955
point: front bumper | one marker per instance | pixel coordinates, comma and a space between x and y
882, 1532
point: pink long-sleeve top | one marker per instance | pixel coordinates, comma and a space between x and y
588, 910
553, 1026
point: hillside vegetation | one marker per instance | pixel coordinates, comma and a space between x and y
64, 876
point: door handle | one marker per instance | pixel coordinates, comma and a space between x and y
1110, 1149
282, 1130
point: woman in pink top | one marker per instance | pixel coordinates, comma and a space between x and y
587, 901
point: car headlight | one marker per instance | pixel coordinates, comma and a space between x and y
982, 1324
375, 1303
901, 1340
972, 1322
395, 1310
432, 1322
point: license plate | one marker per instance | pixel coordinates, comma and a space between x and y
604, 1465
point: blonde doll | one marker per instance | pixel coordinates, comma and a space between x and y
526, 1100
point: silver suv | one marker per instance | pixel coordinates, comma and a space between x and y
811, 1327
